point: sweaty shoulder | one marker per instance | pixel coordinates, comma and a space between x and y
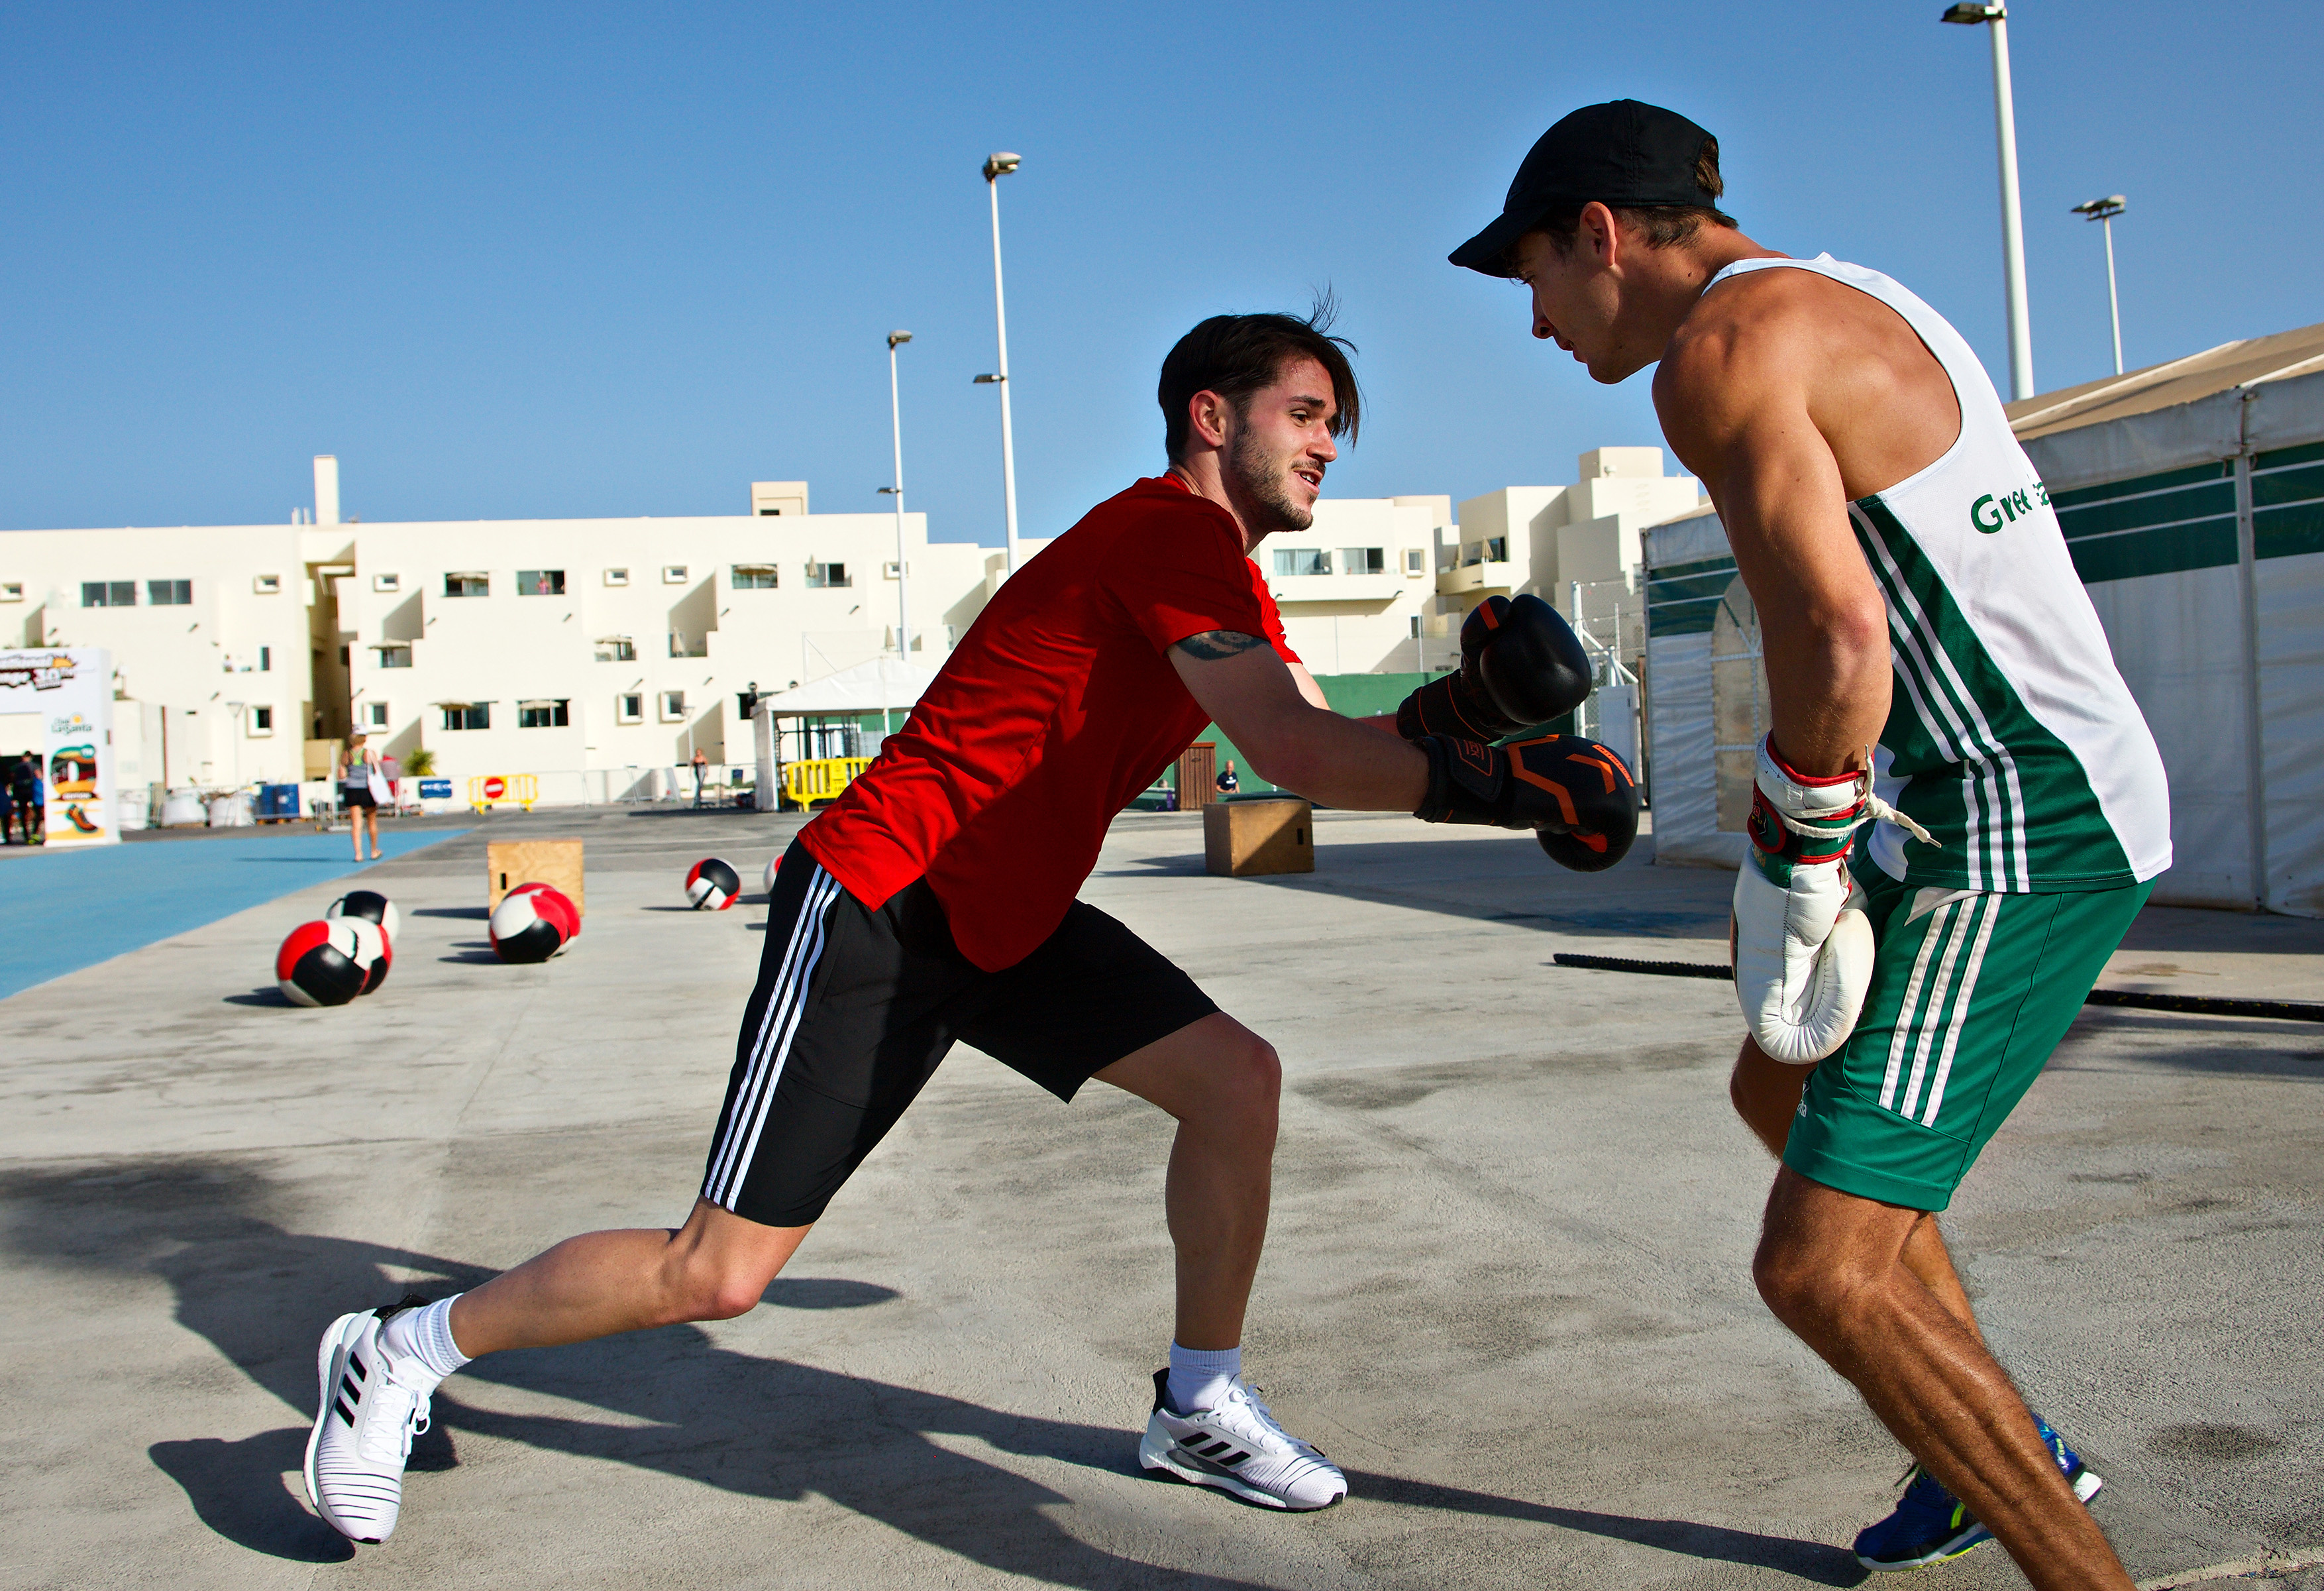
1772, 346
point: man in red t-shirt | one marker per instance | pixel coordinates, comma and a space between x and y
934, 903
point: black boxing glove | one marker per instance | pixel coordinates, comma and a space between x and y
1520, 665
1577, 796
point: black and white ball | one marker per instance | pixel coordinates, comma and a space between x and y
370, 905
711, 885
322, 964
374, 952
529, 925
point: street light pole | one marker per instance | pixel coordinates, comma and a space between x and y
2013, 227
997, 166
896, 418
2105, 210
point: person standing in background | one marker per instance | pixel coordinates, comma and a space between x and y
359, 765
7, 799
1226, 780
701, 768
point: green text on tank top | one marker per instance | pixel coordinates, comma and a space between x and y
2011, 735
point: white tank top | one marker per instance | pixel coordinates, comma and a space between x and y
2011, 735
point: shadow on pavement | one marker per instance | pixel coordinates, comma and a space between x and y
215, 1230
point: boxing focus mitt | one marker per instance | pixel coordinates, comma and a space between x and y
1520, 665
1577, 796
1802, 944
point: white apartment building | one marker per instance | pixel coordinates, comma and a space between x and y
1546, 539
587, 651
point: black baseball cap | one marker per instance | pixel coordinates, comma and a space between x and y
1621, 153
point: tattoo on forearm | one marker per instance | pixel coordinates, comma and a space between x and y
1211, 645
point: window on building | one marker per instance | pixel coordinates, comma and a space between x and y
630, 707
261, 720
468, 715
1497, 550
540, 714
1363, 560
1301, 560
616, 649
388, 582
756, 577
822, 576
673, 705
169, 593
265, 660
394, 655
12, 590
673, 574
1416, 560
266, 585
343, 657
617, 577
108, 594
1415, 626
374, 714
469, 584
888, 569
541, 582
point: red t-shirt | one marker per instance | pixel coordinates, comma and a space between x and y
1057, 707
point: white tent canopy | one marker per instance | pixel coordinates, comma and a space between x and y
867, 687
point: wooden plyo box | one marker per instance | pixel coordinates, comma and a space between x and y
1242, 838
556, 862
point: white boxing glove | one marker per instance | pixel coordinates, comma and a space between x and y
1803, 946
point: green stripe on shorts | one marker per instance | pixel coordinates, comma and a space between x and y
1966, 1003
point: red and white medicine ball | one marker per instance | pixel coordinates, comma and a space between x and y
774, 865
374, 951
370, 905
570, 917
321, 964
532, 925
712, 884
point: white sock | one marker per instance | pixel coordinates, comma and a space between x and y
1199, 1376
419, 1346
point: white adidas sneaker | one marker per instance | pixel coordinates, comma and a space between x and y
362, 1431
1237, 1446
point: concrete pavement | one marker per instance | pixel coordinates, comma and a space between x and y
1505, 1287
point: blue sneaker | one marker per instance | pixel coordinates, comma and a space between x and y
1930, 1525
2079, 1476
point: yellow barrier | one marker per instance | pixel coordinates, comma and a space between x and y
822, 779
487, 790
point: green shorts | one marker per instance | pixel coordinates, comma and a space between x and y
1969, 997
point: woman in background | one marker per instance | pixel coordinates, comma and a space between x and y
358, 768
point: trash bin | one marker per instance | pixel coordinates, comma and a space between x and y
278, 800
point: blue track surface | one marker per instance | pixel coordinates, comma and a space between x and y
59, 914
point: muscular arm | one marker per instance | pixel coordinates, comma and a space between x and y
1736, 401
1276, 714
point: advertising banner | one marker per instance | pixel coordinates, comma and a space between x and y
70, 687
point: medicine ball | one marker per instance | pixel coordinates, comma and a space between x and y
374, 951
528, 925
774, 865
371, 905
570, 918
319, 963
713, 885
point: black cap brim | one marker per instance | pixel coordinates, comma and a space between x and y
1489, 251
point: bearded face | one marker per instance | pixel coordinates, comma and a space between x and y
1277, 482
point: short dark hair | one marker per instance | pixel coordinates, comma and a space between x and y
1662, 226
1235, 356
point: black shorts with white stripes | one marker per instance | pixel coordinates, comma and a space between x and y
855, 1008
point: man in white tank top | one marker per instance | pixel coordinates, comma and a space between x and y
1939, 680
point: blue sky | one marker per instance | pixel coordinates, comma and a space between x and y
523, 260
